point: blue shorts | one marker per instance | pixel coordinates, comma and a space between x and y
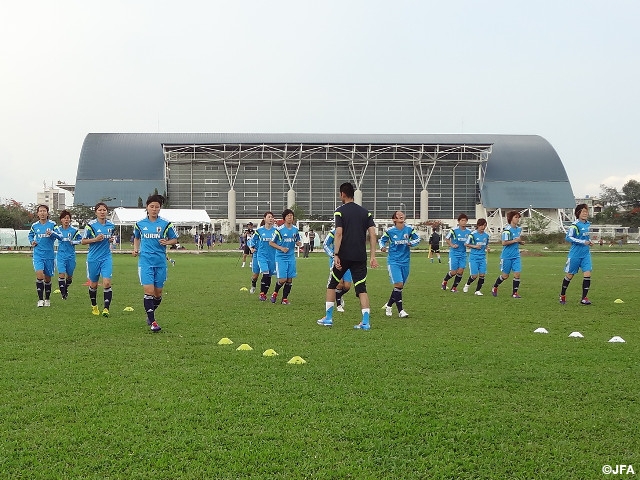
456, 262
156, 276
508, 265
347, 278
398, 273
574, 264
477, 265
66, 265
47, 266
286, 268
103, 268
255, 266
266, 266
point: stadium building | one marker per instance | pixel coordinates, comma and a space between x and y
237, 177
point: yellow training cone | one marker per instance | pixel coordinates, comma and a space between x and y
244, 289
270, 353
244, 346
56, 291
618, 300
225, 341
128, 309
297, 361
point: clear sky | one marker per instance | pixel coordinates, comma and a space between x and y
565, 70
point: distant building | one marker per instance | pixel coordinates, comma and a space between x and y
594, 204
53, 197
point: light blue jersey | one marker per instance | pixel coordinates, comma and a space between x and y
38, 233
152, 253
399, 242
68, 238
579, 256
458, 236
266, 253
100, 250
513, 250
477, 238
286, 237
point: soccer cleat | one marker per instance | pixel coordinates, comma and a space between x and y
64, 297
478, 293
105, 313
173, 262
585, 301
516, 295
47, 303
95, 310
403, 314
252, 290
444, 285
388, 311
465, 289
40, 303
494, 291
155, 327
439, 261
340, 308
263, 297
324, 322
454, 290
362, 326
274, 297
563, 299
285, 301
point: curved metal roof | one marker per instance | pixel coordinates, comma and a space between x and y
522, 170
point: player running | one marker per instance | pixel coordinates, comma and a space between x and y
456, 238
285, 240
345, 282
68, 237
41, 239
510, 256
151, 237
579, 256
398, 240
478, 243
266, 254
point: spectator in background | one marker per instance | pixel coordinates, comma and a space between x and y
312, 239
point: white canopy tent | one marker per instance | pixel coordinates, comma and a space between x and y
178, 216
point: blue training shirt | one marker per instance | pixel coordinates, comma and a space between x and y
459, 237
512, 250
68, 238
265, 251
38, 232
286, 237
578, 236
100, 250
477, 238
399, 242
152, 253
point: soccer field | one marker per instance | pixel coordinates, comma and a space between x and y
462, 388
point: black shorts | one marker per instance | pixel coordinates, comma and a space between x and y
358, 270
435, 248
247, 250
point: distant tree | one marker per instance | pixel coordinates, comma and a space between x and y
82, 213
609, 196
631, 194
15, 215
298, 212
140, 204
537, 223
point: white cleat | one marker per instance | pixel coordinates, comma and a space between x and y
40, 303
252, 290
403, 314
47, 303
340, 308
465, 289
388, 311
478, 293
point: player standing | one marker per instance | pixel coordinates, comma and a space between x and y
41, 239
285, 240
97, 235
478, 243
151, 237
434, 245
398, 240
345, 282
456, 238
353, 222
68, 237
510, 256
246, 249
579, 257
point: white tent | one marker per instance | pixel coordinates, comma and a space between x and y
177, 216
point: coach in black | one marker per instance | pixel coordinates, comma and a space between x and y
353, 222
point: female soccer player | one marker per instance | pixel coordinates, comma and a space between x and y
41, 239
99, 261
579, 256
151, 237
285, 240
68, 237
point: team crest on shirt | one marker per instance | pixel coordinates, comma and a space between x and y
158, 229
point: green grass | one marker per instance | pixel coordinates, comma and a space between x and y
461, 389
